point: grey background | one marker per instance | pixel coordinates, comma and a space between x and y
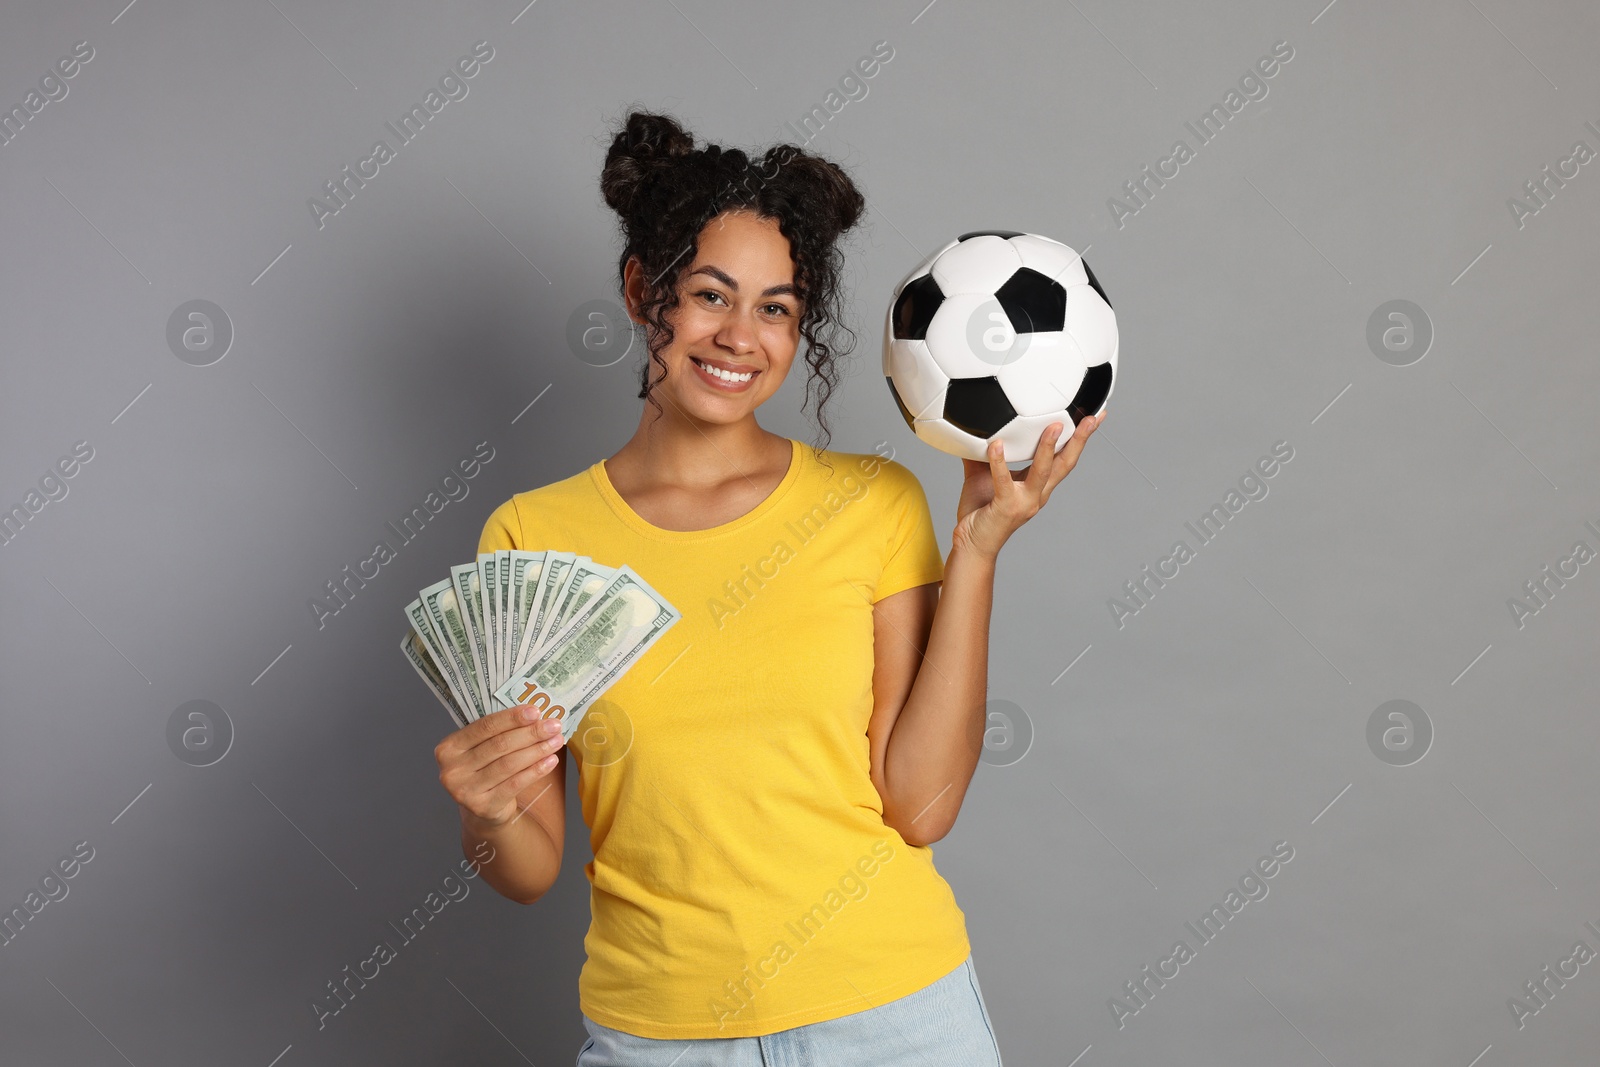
1229, 714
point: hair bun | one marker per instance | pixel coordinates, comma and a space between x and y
647, 143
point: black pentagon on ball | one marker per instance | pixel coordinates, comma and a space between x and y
989, 233
914, 308
1034, 302
1094, 281
1096, 386
978, 406
905, 412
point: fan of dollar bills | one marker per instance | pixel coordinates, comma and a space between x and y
550, 629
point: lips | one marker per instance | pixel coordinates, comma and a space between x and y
707, 371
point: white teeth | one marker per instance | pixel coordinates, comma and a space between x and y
727, 376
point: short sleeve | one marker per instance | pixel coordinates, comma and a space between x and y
912, 557
503, 530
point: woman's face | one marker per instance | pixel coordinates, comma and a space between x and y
737, 311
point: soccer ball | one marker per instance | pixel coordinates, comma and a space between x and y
998, 335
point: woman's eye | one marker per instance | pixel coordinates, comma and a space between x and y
713, 295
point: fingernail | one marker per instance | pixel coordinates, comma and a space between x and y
529, 713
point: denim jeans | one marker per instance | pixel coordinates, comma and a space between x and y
945, 1024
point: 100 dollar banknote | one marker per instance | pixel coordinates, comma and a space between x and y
417, 653
591, 650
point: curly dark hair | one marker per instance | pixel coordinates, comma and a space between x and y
665, 192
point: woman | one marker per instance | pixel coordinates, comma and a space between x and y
762, 785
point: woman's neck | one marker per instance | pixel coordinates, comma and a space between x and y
669, 450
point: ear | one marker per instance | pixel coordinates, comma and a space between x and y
633, 288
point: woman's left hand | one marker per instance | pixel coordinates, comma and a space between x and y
995, 501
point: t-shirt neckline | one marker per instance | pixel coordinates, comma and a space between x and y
635, 522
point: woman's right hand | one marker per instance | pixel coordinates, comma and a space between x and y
486, 765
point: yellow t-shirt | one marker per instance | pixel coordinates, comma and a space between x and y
743, 879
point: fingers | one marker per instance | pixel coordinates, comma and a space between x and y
1049, 464
498, 772
484, 778
1067, 458
533, 735
480, 730
502, 801
1074, 445
532, 783
998, 470
1039, 471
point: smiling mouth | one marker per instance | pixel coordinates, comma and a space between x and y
724, 377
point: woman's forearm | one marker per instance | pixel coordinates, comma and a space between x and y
934, 746
523, 862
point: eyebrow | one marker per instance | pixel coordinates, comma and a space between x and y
723, 277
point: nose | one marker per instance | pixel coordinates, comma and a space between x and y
737, 334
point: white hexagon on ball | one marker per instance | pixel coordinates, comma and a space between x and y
1042, 386
920, 380
979, 265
